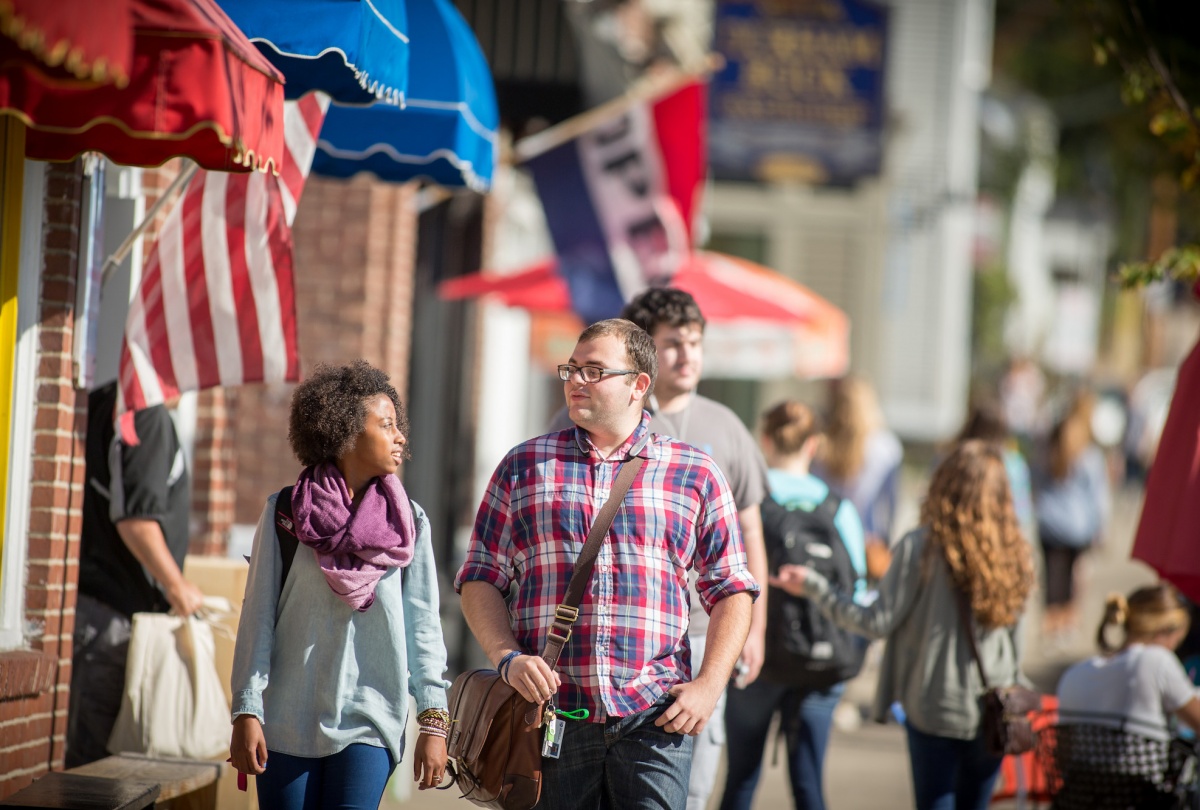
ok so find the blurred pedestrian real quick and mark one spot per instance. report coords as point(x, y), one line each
point(627, 663)
point(136, 509)
point(969, 545)
point(673, 320)
point(860, 460)
point(807, 658)
point(326, 658)
point(1022, 393)
point(1072, 501)
point(986, 421)
point(1149, 404)
point(1135, 689)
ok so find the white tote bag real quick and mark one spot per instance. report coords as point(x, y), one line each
point(173, 705)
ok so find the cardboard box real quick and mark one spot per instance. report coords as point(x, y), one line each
point(219, 576)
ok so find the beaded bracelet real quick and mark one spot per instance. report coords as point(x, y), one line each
point(434, 717)
point(502, 667)
point(435, 722)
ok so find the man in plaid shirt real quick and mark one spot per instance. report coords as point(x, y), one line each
point(627, 662)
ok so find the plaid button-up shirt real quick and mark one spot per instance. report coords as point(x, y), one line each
point(629, 645)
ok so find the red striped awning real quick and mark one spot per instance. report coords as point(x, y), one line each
point(71, 36)
point(197, 88)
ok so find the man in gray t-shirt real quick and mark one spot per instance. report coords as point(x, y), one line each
point(674, 320)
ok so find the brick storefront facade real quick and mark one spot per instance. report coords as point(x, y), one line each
point(355, 252)
point(34, 683)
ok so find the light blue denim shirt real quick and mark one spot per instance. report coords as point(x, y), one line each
point(321, 676)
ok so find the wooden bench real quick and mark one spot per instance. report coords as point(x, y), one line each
point(186, 784)
point(126, 782)
point(72, 790)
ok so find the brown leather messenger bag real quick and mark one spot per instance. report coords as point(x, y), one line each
point(494, 743)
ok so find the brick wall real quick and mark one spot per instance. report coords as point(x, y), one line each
point(34, 683)
point(355, 243)
point(213, 472)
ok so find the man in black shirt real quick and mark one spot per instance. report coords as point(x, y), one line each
point(136, 507)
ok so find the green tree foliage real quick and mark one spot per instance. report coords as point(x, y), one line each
point(1154, 44)
point(1123, 78)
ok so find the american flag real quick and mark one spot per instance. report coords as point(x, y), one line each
point(216, 302)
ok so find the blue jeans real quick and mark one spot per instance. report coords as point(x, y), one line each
point(950, 774)
point(806, 718)
point(353, 778)
point(620, 763)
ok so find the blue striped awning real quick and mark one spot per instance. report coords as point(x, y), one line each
point(447, 130)
point(357, 51)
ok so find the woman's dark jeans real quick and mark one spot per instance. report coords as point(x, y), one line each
point(806, 716)
point(949, 773)
point(352, 779)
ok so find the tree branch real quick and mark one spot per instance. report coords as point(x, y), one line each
point(1160, 67)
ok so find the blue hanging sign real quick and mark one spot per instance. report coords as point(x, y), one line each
point(800, 95)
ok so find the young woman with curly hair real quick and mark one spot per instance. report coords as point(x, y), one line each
point(326, 658)
point(969, 541)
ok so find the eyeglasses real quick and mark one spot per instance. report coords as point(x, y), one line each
point(590, 374)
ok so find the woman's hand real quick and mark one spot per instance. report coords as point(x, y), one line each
point(248, 747)
point(429, 762)
point(791, 578)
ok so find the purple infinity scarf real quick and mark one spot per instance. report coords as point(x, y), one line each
point(355, 545)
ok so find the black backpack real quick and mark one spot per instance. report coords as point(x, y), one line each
point(285, 533)
point(804, 647)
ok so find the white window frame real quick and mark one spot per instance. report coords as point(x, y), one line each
point(24, 406)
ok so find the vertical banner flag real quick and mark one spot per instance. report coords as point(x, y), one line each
point(620, 196)
point(216, 303)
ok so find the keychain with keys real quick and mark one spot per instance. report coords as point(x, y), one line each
point(555, 726)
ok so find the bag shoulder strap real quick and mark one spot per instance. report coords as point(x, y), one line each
point(568, 610)
point(968, 625)
point(285, 533)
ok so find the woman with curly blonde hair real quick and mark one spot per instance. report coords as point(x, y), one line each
point(969, 542)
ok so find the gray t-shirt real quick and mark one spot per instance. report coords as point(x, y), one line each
point(715, 429)
point(1144, 684)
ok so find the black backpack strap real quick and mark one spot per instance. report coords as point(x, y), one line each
point(285, 533)
point(829, 507)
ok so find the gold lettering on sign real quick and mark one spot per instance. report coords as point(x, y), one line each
point(798, 70)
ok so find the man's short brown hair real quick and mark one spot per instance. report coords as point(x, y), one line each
point(663, 305)
point(643, 357)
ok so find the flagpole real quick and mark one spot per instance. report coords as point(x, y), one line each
point(118, 255)
point(650, 86)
